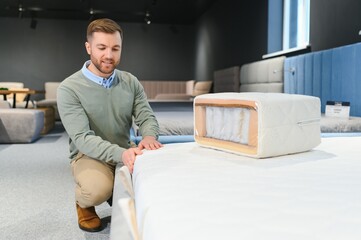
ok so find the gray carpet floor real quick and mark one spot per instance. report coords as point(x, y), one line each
point(37, 192)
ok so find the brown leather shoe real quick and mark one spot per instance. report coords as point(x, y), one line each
point(88, 220)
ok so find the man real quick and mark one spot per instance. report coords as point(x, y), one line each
point(96, 106)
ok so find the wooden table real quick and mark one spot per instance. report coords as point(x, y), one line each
point(28, 93)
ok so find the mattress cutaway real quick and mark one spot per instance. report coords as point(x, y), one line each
point(230, 124)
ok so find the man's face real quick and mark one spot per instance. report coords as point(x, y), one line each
point(105, 51)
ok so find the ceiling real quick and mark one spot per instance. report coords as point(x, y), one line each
point(158, 11)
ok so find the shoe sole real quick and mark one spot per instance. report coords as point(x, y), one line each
point(98, 229)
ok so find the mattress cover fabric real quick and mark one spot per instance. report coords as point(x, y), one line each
point(285, 123)
point(184, 191)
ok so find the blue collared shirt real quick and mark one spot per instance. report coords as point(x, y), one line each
point(105, 82)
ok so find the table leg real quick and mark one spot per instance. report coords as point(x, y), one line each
point(27, 98)
point(14, 100)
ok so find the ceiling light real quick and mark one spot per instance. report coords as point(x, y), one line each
point(147, 18)
point(21, 10)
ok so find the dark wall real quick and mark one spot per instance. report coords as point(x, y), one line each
point(235, 32)
point(158, 51)
point(334, 23)
point(230, 33)
point(51, 52)
point(55, 49)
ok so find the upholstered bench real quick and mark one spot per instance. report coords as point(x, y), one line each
point(20, 125)
point(49, 119)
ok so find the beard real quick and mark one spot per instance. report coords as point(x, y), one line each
point(104, 68)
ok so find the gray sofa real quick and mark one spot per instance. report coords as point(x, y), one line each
point(20, 125)
point(263, 76)
point(260, 76)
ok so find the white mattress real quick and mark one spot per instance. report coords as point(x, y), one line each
point(184, 191)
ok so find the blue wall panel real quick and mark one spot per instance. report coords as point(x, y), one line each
point(308, 75)
point(331, 75)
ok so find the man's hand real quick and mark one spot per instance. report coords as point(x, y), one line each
point(128, 157)
point(149, 143)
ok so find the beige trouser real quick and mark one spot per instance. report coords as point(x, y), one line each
point(94, 180)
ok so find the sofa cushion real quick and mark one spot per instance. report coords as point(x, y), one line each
point(202, 87)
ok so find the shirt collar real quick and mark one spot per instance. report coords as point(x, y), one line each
point(105, 82)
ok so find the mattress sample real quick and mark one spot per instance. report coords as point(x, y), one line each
point(185, 191)
point(257, 124)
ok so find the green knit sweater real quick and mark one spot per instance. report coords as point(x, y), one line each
point(98, 120)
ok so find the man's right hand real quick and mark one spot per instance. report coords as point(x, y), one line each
point(128, 157)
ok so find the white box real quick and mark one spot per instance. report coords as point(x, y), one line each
point(337, 109)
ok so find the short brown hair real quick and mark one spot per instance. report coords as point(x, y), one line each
point(105, 25)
